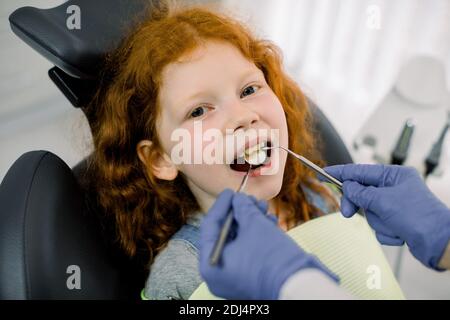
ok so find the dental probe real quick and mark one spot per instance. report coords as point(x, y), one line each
point(312, 166)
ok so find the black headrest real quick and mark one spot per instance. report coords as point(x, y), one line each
point(77, 53)
point(46, 233)
point(332, 148)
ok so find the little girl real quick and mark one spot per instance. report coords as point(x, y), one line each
point(179, 68)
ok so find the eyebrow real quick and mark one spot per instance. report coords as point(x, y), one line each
point(201, 93)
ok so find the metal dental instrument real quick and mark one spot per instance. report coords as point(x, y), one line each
point(218, 247)
point(311, 165)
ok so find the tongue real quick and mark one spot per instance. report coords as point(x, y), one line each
point(241, 165)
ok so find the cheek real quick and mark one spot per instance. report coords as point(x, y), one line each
point(272, 112)
point(181, 143)
point(202, 142)
point(270, 108)
point(195, 155)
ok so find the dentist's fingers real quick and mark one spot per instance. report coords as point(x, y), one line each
point(366, 174)
point(348, 208)
point(364, 197)
point(388, 241)
point(379, 226)
point(244, 209)
point(261, 204)
point(272, 218)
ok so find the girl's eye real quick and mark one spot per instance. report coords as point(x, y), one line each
point(246, 90)
point(198, 112)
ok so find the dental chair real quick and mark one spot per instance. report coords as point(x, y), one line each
point(52, 244)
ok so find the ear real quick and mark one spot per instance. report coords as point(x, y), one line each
point(161, 166)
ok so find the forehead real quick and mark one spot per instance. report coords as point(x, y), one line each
point(208, 67)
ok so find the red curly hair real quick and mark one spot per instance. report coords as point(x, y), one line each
point(147, 211)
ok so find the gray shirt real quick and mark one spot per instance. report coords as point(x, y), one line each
point(175, 272)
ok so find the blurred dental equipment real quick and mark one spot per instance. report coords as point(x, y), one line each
point(400, 152)
point(419, 92)
point(433, 158)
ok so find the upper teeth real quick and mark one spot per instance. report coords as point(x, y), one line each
point(255, 155)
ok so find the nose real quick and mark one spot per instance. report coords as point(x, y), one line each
point(241, 116)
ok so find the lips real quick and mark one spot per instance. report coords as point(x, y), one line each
point(239, 163)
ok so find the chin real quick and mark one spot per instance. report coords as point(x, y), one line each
point(266, 190)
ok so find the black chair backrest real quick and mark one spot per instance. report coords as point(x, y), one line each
point(50, 242)
point(332, 148)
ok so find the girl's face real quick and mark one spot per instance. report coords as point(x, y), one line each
point(217, 88)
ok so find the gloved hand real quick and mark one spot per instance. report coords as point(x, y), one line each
point(399, 207)
point(258, 258)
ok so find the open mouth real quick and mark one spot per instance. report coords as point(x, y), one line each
point(254, 156)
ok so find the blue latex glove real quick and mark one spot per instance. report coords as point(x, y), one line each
point(399, 207)
point(257, 259)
